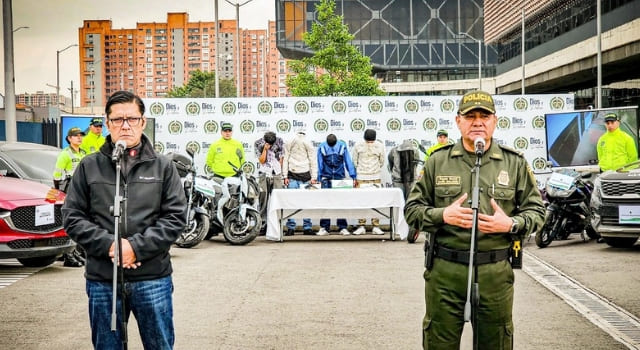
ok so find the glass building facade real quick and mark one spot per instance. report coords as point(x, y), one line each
point(406, 40)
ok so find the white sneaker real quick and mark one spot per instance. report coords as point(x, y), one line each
point(360, 230)
point(322, 232)
point(377, 231)
point(345, 232)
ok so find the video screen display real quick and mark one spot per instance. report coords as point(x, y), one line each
point(572, 137)
point(68, 121)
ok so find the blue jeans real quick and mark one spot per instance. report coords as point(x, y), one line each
point(326, 223)
point(291, 223)
point(152, 306)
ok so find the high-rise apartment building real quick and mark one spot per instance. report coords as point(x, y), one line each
point(153, 58)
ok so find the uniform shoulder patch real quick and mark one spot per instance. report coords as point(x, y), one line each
point(511, 150)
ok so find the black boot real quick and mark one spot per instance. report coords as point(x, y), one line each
point(71, 261)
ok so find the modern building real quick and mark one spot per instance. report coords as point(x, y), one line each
point(413, 42)
point(153, 58)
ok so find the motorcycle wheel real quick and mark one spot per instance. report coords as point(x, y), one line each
point(544, 236)
point(412, 237)
point(239, 232)
point(194, 233)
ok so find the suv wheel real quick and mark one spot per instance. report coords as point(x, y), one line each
point(40, 261)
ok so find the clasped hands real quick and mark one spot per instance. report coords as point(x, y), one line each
point(128, 255)
point(457, 215)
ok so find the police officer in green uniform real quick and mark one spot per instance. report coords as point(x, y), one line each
point(66, 164)
point(223, 151)
point(94, 140)
point(509, 208)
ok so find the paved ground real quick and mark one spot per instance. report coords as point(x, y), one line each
point(306, 293)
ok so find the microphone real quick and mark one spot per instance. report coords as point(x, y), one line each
point(118, 150)
point(478, 145)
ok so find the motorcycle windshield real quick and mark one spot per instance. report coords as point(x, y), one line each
point(561, 181)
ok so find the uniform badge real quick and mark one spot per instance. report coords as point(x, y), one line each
point(444, 180)
point(503, 178)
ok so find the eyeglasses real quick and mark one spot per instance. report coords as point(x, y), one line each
point(132, 121)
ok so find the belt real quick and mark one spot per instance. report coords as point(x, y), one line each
point(462, 256)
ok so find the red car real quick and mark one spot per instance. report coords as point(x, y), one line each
point(31, 223)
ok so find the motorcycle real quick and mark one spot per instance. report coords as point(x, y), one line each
point(197, 225)
point(568, 195)
point(237, 210)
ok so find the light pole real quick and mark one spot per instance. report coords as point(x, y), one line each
point(239, 44)
point(599, 54)
point(479, 57)
point(215, 32)
point(522, 44)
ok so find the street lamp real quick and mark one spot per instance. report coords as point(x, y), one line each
point(239, 44)
point(21, 27)
point(479, 57)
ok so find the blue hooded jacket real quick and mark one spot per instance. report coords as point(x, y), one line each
point(333, 160)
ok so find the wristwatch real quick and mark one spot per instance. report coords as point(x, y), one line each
point(514, 226)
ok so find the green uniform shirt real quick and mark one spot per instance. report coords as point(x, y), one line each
point(91, 142)
point(504, 176)
point(67, 162)
point(615, 149)
point(223, 151)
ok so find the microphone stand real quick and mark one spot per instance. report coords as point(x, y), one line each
point(118, 271)
point(473, 290)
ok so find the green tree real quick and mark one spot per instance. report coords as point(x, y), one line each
point(202, 84)
point(336, 67)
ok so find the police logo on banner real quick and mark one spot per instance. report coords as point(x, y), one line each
point(321, 125)
point(411, 106)
point(447, 105)
point(194, 146)
point(430, 124)
point(158, 147)
point(265, 108)
point(156, 109)
point(301, 107)
point(338, 106)
point(539, 163)
point(283, 126)
point(247, 126)
point(520, 143)
point(538, 122)
point(357, 124)
point(208, 171)
point(211, 127)
point(556, 103)
point(228, 108)
point(175, 127)
point(248, 167)
point(375, 106)
point(520, 104)
point(192, 108)
point(504, 123)
point(394, 124)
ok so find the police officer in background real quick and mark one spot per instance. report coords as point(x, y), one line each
point(66, 164)
point(223, 151)
point(94, 140)
point(615, 147)
point(509, 207)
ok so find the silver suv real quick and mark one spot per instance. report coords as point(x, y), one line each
point(615, 205)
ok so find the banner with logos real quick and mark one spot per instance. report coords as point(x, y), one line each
point(182, 123)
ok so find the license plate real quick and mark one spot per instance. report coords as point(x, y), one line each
point(629, 214)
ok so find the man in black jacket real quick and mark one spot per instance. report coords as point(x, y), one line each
point(152, 217)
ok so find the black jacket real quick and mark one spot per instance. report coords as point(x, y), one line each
point(155, 211)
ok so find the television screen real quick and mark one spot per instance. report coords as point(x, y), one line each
point(572, 137)
point(69, 121)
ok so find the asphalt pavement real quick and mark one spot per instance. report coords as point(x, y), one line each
point(309, 292)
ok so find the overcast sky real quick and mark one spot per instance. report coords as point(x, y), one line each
point(53, 25)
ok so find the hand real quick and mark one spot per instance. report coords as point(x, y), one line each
point(499, 222)
point(457, 215)
point(314, 181)
point(128, 255)
point(355, 183)
point(285, 181)
point(266, 147)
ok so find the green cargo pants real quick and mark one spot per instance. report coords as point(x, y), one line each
point(445, 296)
